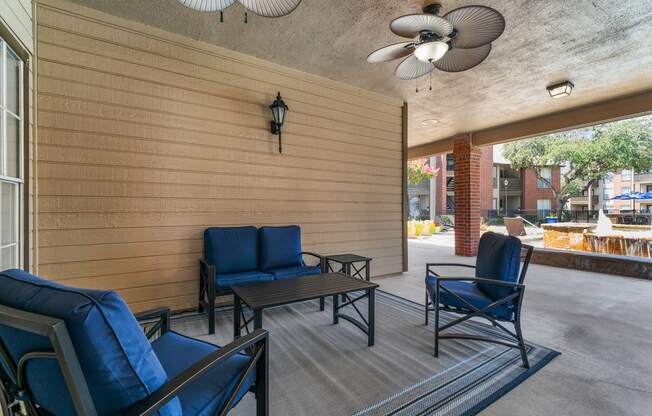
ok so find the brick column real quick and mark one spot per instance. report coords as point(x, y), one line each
point(440, 183)
point(467, 196)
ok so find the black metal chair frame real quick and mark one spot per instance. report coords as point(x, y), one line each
point(16, 393)
point(208, 288)
point(513, 339)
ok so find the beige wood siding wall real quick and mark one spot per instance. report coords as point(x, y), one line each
point(17, 26)
point(146, 138)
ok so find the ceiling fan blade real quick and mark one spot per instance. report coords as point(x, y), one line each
point(412, 68)
point(458, 60)
point(207, 5)
point(411, 25)
point(271, 8)
point(391, 52)
point(475, 26)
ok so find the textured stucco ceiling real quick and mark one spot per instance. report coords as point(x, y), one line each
point(603, 47)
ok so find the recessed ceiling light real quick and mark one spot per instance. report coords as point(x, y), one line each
point(429, 122)
point(563, 89)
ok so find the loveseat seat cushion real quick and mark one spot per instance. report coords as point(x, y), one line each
point(116, 358)
point(225, 281)
point(204, 396)
point(294, 271)
point(231, 249)
point(280, 247)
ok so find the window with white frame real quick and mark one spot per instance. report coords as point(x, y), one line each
point(546, 175)
point(626, 175)
point(11, 157)
point(543, 207)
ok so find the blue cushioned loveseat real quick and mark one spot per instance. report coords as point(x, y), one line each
point(67, 351)
point(245, 255)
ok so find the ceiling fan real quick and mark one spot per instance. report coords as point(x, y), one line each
point(454, 42)
point(266, 8)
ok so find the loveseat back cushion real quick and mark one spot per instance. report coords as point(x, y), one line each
point(499, 258)
point(118, 363)
point(232, 249)
point(280, 247)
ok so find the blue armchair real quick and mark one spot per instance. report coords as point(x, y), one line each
point(245, 255)
point(67, 351)
point(495, 293)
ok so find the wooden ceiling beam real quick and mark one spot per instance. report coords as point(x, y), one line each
point(619, 108)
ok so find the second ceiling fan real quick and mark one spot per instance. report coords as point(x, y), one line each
point(454, 42)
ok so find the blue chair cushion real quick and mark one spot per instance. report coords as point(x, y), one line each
point(116, 358)
point(499, 258)
point(468, 291)
point(280, 247)
point(294, 271)
point(207, 394)
point(225, 281)
point(231, 249)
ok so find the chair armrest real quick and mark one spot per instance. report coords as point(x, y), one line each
point(162, 317)
point(151, 404)
point(309, 253)
point(319, 257)
point(205, 267)
point(429, 265)
point(482, 280)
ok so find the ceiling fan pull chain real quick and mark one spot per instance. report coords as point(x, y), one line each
point(430, 75)
point(221, 16)
point(416, 83)
point(246, 18)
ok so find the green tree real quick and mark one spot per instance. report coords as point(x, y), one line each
point(585, 155)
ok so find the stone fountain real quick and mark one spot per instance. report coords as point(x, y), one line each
point(603, 237)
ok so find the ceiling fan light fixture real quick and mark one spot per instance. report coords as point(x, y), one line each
point(560, 90)
point(431, 51)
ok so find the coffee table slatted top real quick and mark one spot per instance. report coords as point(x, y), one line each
point(280, 292)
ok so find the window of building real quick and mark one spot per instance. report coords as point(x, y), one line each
point(494, 204)
point(543, 207)
point(607, 193)
point(545, 173)
point(625, 190)
point(450, 162)
point(609, 180)
point(626, 175)
point(11, 152)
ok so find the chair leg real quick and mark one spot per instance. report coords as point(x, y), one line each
point(427, 305)
point(211, 315)
point(521, 343)
point(436, 305)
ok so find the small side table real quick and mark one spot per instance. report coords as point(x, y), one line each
point(348, 264)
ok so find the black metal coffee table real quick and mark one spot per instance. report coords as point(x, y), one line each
point(259, 296)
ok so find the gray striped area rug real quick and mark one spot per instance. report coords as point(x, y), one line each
point(317, 368)
point(465, 388)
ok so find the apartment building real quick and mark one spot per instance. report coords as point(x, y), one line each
point(615, 184)
point(503, 190)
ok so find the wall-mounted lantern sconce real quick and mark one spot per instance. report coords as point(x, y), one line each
point(279, 111)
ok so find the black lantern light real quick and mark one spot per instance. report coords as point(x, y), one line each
point(279, 110)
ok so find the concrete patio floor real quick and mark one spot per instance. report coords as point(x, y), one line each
point(602, 325)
